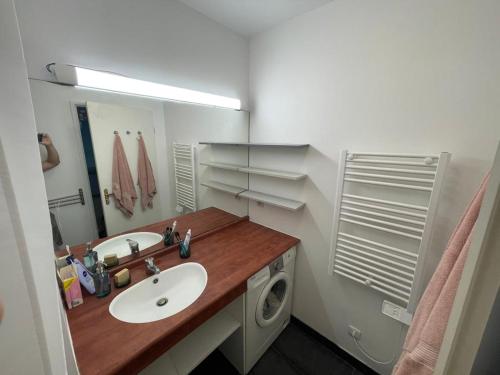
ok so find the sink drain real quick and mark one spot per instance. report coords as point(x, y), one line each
point(162, 301)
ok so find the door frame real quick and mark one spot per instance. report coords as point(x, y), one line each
point(478, 286)
point(74, 104)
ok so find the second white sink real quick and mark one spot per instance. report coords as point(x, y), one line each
point(160, 296)
point(120, 246)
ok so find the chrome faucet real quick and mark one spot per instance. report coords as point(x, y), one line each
point(134, 246)
point(151, 267)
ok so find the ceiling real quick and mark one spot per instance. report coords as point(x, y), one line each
point(249, 17)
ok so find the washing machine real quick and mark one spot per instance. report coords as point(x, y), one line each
point(268, 306)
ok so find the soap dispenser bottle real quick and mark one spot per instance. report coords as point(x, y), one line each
point(90, 258)
point(102, 280)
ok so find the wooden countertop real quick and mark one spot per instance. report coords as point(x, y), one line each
point(201, 222)
point(105, 345)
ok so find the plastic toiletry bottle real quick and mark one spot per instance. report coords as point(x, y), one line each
point(84, 275)
point(102, 281)
point(90, 258)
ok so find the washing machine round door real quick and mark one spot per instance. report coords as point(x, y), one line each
point(273, 299)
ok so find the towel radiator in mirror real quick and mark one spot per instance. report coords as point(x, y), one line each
point(67, 200)
point(185, 175)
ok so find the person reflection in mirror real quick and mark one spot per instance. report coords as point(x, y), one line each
point(52, 159)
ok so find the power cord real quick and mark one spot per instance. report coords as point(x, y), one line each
point(362, 350)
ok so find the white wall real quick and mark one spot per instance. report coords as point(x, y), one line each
point(389, 76)
point(191, 124)
point(31, 337)
point(19, 320)
point(157, 40)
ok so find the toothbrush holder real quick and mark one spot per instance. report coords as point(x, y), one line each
point(184, 251)
point(169, 239)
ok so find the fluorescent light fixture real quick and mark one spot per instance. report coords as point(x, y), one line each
point(94, 79)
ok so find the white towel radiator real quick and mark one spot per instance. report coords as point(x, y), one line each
point(185, 175)
point(383, 218)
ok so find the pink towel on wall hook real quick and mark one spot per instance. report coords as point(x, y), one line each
point(123, 184)
point(145, 178)
point(424, 338)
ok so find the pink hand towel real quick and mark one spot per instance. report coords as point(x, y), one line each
point(424, 338)
point(145, 179)
point(123, 184)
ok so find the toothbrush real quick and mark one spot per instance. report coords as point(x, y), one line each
point(188, 238)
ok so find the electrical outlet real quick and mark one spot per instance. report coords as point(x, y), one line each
point(354, 332)
point(396, 312)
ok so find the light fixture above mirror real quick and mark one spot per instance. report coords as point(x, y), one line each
point(99, 80)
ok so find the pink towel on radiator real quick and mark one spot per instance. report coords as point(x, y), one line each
point(123, 184)
point(424, 338)
point(146, 178)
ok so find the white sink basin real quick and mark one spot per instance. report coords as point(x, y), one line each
point(144, 302)
point(120, 246)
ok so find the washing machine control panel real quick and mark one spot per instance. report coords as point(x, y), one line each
point(276, 266)
point(289, 256)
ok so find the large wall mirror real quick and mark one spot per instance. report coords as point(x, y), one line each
point(77, 135)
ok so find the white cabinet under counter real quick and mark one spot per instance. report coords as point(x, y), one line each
point(188, 353)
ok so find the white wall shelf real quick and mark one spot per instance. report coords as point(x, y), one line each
point(229, 167)
point(235, 190)
point(272, 200)
point(274, 173)
point(269, 199)
point(246, 144)
point(253, 170)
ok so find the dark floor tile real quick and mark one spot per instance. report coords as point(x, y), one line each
point(296, 347)
point(341, 354)
point(297, 351)
point(215, 363)
point(358, 371)
point(328, 363)
point(273, 363)
point(308, 354)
